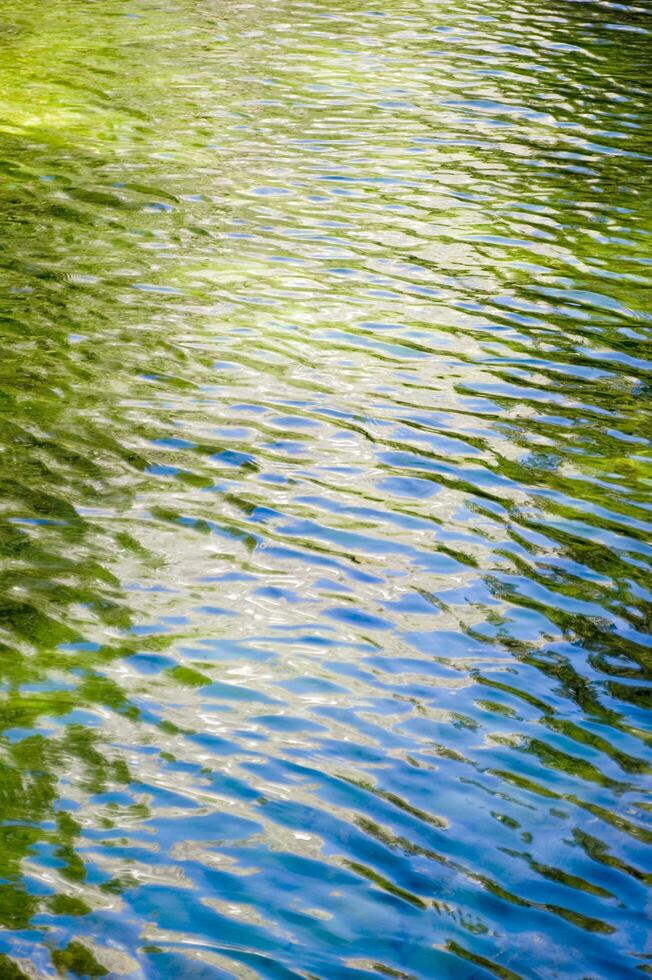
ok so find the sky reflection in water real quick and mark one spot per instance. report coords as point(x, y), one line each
point(325, 530)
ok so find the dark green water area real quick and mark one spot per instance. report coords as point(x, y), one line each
point(325, 489)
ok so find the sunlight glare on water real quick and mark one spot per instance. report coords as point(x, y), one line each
point(326, 487)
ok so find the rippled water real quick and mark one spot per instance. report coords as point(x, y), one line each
point(326, 488)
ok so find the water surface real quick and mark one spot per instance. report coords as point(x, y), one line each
point(326, 488)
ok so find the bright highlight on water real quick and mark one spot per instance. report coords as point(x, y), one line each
point(326, 489)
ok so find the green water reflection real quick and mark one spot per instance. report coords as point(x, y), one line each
point(325, 535)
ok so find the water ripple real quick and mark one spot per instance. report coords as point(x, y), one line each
point(325, 533)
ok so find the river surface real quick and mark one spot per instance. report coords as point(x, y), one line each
point(326, 489)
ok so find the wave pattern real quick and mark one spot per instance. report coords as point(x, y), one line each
point(325, 514)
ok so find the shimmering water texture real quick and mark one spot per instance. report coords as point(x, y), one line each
point(325, 489)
